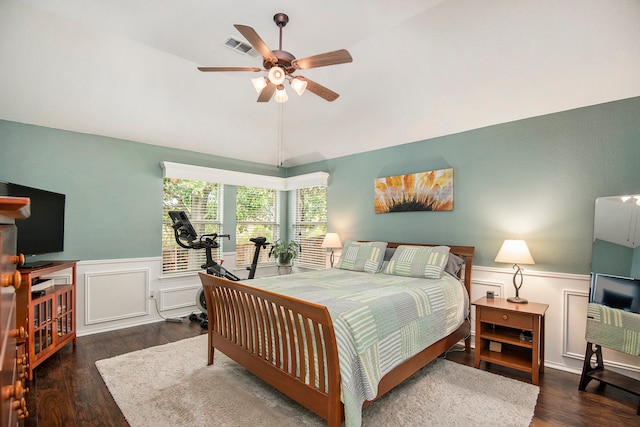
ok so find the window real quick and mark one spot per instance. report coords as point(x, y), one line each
point(310, 225)
point(198, 191)
point(257, 214)
point(202, 201)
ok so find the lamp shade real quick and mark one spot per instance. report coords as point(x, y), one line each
point(514, 252)
point(298, 85)
point(281, 95)
point(259, 83)
point(276, 75)
point(331, 240)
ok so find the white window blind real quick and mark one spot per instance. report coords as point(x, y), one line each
point(310, 225)
point(257, 215)
point(202, 201)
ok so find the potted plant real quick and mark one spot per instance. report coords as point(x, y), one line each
point(284, 252)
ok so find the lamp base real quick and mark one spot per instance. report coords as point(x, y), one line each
point(517, 300)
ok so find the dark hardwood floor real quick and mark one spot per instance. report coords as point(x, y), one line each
point(67, 389)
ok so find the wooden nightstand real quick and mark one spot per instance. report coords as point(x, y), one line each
point(499, 328)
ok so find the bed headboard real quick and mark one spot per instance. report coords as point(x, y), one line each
point(464, 252)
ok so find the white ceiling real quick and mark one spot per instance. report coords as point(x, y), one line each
point(421, 69)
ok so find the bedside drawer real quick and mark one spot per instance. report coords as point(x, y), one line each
point(507, 318)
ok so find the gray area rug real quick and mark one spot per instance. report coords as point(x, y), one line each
point(171, 385)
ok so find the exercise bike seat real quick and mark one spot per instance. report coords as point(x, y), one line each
point(259, 240)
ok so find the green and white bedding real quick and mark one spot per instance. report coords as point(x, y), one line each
point(613, 328)
point(380, 320)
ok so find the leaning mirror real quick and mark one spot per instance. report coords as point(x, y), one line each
point(616, 236)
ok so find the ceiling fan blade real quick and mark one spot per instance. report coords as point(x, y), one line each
point(267, 92)
point(207, 69)
point(320, 90)
point(254, 39)
point(322, 60)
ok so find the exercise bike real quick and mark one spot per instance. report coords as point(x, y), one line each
point(186, 237)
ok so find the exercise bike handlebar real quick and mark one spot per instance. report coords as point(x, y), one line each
point(228, 236)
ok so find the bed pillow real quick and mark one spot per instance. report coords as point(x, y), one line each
point(418, 261)
point(362, 256)
point(454, 264)
point(388, 253)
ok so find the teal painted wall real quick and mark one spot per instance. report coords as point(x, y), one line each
point(113, 187)
point(535, 179)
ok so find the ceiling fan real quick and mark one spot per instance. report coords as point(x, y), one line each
point(281, 65)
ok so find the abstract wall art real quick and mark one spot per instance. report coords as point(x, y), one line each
point(423, 191)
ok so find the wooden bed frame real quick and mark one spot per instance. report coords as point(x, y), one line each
point(242, 321)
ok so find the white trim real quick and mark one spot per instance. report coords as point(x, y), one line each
point(142, 286)
point(222, 176)
point(535, 273)
point(566, 308)
point(315, 179)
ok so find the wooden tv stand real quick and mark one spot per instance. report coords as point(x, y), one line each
point(50, 318)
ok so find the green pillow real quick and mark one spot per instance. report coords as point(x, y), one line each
point(362, 256)
point(418, 261)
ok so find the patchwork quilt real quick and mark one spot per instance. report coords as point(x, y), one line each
point(380, 320)
point(613, 328)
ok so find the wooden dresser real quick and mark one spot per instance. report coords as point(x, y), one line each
point(14, 360)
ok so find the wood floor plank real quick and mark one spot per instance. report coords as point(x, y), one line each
point(68, 390)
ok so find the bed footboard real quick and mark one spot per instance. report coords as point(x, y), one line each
point(289, 343)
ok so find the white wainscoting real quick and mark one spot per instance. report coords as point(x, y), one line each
point(115, 294)
point(574, 324)
point(103, 286)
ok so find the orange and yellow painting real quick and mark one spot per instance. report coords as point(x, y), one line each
point(423, 191)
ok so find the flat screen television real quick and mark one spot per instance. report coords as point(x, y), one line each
point(43, 231)
point(618, 292)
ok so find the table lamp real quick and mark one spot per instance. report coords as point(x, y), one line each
point(515, 252)
point(332, 241)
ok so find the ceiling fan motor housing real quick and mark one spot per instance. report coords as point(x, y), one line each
point(284, 61)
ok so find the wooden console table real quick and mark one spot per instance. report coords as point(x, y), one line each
point(49, 318)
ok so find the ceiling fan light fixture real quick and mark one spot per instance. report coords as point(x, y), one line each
point(281, 95)
point(299, 85)
point(259, 83)
point(276, 75)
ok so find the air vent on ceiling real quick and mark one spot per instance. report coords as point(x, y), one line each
point(240, 46)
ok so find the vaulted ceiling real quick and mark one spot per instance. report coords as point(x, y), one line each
point(421, 69)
